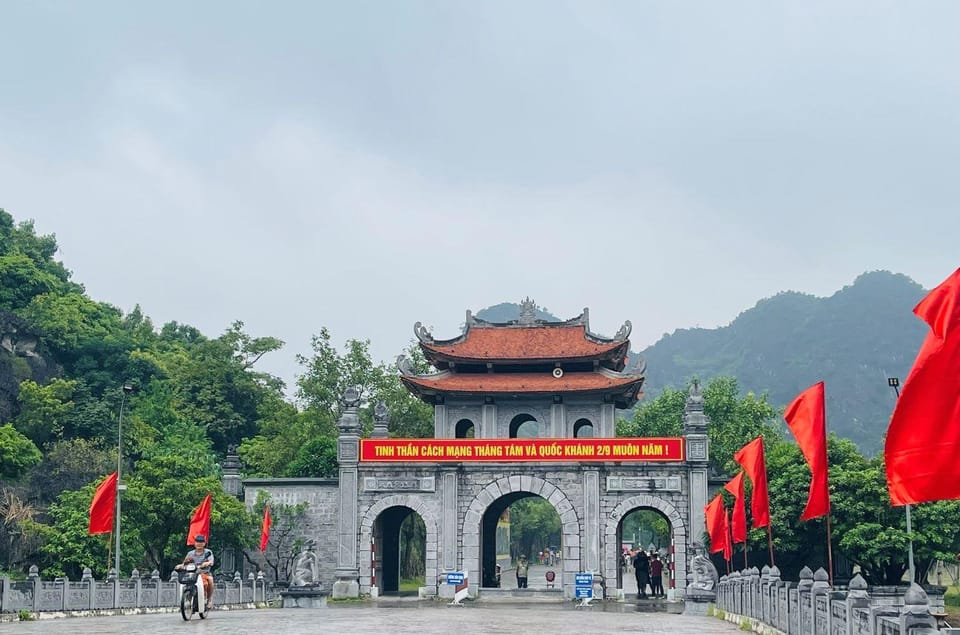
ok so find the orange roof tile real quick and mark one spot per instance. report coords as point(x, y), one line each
point(525, 343)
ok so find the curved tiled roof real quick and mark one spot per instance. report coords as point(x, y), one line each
point(493, 383)
point(527, 343)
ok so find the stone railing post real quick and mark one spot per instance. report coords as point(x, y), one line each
point(773, 579)
point(135, 577)
point(62, 583)
point(804, 606)
point(734, 604)
point(915, 619)
point(239, 582)
point(820, 598)
point(263, 587)
point(764, 612)
point(756, 609)
point(857, 598)
point(87, 577)
point(4, 593)
point(155, 579)
point(34, 576)
point(253, 586)
point(113, 579)
point(722, 593)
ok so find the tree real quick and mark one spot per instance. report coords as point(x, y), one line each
point(286, 537)
point(17, 453)
point(44, 409)
point(318, 458)
point(70, 464)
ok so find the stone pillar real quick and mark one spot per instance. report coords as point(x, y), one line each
point(608, 421)
point(231, 484)
point(591, 522)
point(449, 535)
point(558, 418)
point(857, 598)
point(488, 420)
point(347, 574)
point(440, 428)
point(87, 577)
point(804, 603)
point(695, 424)
point(916, 617)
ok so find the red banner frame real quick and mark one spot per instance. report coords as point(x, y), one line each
point(625, 449)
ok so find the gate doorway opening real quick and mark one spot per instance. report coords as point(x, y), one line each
point(647, 529)
point(399, 553)
point(520, 525)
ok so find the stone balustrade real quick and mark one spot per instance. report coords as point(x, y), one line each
point(811, 607)
point(149, 591)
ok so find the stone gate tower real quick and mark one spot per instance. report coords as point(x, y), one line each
point(551, 382)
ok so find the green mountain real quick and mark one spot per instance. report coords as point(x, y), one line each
point(853, 341)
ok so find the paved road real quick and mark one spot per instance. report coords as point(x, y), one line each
point(536, 579)
point(423, 618)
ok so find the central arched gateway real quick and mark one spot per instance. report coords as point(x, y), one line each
point(523, 408)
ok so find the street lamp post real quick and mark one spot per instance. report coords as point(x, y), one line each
point(125, 390)
point(894, 382)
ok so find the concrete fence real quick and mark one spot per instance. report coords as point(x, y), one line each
point(811, 607)
point(62, 594)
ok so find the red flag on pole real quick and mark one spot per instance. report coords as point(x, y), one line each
point(200, 523)
point(923, 440)
point(751, 458)
point(103, 505)
point(735, 487)
point(265, 528)
point(806, 417)
point(716, 523)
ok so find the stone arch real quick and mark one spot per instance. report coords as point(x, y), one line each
point(415, 503)
point(678, 536)
point(519, 421)
point(569, 524)
point(583, 428)
point(464, 429)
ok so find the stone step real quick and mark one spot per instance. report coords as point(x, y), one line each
point(520, 595)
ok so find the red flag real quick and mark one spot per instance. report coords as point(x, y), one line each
point(102, 506)
point(923, 440)
point(751, 458)
point(807, 420)
point(716, 523)
point(200, 523)
point(265, 528)
point(727, 543)
point(735, 487)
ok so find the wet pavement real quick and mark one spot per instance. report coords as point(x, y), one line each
point(397, 616)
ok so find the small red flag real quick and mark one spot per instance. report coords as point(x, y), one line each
point(751, 458)
point(923, 440)
point(200, 523)
point(807, 420)
point(265, 528)
point(716, 519)
point(103, 505)
point(735, 487)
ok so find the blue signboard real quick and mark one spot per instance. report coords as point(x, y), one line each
point(455, 578)
point(584, 592)
point(584, 579)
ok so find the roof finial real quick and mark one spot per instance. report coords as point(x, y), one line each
point(528, 311)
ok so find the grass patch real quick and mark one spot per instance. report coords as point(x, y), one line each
point(951, 597)
point(25, 616)
point(710, 610)
point(411, 584)
point(745, 625)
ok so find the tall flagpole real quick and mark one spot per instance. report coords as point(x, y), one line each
point(894, 382)
point(125, 390)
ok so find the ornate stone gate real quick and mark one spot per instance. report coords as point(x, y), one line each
point(524, 384)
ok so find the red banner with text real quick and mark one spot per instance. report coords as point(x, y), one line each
point(641, 449)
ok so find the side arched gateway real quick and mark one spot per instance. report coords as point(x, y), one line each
point(611, 557)
point(384, 506)
point(503, 490)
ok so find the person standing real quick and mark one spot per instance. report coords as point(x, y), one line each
point(523, 568)
point(656, 576)
point(641, 569)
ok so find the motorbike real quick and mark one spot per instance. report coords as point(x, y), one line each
point(192, 596)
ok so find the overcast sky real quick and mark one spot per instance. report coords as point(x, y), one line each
point(364, 165)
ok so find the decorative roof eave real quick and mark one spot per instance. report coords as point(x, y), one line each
point(617, 352)
point(447, 382)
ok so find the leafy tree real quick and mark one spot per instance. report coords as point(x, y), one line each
point(318, 458)
point(17, 453)
point(70, 464)
point(534, 524)
point(20, 541)
point(286, 537)
point(328, 374)
point(22, 281)
point(44, 409)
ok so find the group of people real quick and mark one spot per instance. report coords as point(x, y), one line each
point(648, 570)
point(548, 557)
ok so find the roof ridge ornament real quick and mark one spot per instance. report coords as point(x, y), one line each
point(422, 333)
point(404, 365)
point(624, 331)
point(528, 311)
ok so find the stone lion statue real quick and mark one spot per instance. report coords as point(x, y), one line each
point(306, 570)
point(703, 576)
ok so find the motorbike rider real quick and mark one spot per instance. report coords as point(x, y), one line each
point(203, 558)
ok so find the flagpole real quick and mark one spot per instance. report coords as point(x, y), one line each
point(770, 544)
point(745, 564)
point(829, 551)
point(894, 382)
point(124, 390)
